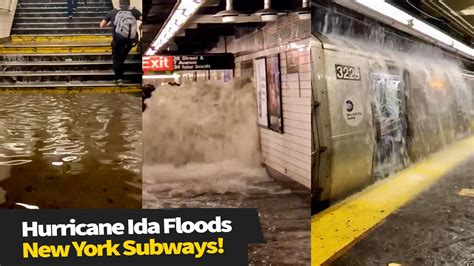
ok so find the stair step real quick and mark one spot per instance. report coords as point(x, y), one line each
point(102, 73)
point(50, 25)
point(80, 66)
point(20, 13)
point(57, 57)
point(105, 85)
point(68, 84)
point(127, 88)
point(68, 63)
point(47, 31)
point(50, 49)
point(45, 44)
point(64, 5)
point(11, 78)
point(61, 38)
point(102, 10)
point(61, 19)
point(64, 1)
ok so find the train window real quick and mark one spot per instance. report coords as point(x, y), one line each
point(388, 108)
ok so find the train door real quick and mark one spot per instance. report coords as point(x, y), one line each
point(320, 135)
point(389, 112)
point(351, 129)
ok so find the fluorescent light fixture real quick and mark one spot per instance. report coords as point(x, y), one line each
point(27, 206)
point(396, 14)
point(388, 10)
point(181, 13)
point(468, 11)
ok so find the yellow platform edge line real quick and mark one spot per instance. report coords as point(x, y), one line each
point(337, 228)
point(66, 90)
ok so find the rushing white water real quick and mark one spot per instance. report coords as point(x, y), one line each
point(419, 98)
point(201, 138)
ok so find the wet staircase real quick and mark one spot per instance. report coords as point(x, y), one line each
point(49, 51)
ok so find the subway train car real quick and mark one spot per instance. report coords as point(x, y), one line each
point(378, 108)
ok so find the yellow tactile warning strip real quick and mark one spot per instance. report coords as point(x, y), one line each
point(466, 192)
point(335, 229)
point(60, 38)
point(55, 50)
point(66, 90)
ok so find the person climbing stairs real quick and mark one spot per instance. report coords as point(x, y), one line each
point(47, 50)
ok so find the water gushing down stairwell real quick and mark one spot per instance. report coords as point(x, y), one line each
point(48, 51)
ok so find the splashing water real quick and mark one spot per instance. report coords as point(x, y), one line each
point(201, 138)
point(202, 149)
point(420, 100)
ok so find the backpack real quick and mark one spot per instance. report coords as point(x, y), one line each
point(125, 25)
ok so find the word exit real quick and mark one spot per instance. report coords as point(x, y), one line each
point(158, 63)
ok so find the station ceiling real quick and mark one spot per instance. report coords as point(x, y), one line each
point(454, 17)
point(155, 13)
point(205, 34)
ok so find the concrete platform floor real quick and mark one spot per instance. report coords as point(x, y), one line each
point(285, 221)
point(414, 217)
point(436, 228)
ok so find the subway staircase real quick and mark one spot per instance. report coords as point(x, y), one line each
point(48, 51)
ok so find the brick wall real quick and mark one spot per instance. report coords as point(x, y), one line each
point(290, 152)
point(7, 12)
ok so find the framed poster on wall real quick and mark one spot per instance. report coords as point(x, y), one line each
point(292, 61)
point(261, 79)
point(274, 104)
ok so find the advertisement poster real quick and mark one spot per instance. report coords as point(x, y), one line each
point(261, 78)
point(274, 93)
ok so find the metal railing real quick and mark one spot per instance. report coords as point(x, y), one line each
point(6, 6)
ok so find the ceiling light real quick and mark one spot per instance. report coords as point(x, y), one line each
point(304, 12)
point(267, 13)
point(181, 13)
point(427, 30)
point(229, 15)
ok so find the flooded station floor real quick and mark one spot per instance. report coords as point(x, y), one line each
point(78, 150)
point(283, 206)
point(437, 228)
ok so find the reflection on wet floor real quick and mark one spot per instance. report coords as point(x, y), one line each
point(70, 150)
point(283, 206)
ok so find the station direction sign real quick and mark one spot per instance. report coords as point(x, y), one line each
point(170, 63)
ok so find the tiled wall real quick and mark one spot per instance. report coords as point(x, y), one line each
point(290, 152)
point(7, 12)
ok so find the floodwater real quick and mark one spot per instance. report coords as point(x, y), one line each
point(202, 149)
point(70, 150)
